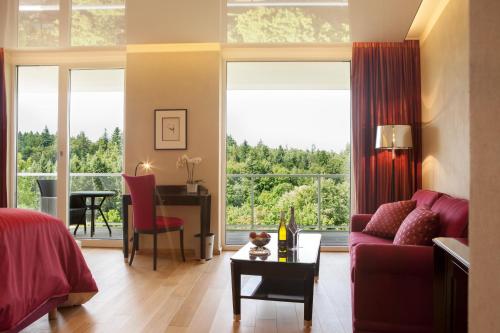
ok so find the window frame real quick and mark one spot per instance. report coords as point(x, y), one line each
point(65, 61)
point(341, 52)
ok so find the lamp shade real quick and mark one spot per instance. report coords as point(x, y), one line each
point(394, 137)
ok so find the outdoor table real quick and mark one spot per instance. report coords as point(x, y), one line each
point(94, 205)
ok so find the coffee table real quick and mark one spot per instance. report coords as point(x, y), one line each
point(287, 277)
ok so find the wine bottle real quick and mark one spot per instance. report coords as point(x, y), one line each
point(291, 230)
point(282, 233)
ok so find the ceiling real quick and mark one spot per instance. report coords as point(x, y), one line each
point(381, 20)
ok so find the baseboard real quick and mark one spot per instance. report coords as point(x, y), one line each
point(106, 243)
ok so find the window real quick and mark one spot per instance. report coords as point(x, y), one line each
point(287, 21)
point(39, 23)
point(287, 144)
point(63, 23)
point(97, 22)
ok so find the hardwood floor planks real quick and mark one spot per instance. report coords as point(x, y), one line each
point(194, 297)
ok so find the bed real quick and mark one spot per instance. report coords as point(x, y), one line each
point(41, 268)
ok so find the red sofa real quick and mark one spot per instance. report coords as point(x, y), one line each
point(392, 284)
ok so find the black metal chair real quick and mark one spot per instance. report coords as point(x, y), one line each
point(77, 212)
point(48, 203)
point(48, 196)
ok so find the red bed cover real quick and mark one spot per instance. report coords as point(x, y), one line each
point(40, 263)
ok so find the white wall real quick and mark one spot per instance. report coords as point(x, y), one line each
point(173, 21)
point(445, 102)
point(484, 286)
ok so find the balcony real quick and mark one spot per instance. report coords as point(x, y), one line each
point(321, 201)
point(28, 196)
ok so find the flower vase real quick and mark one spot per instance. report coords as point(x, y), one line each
point(192, 187)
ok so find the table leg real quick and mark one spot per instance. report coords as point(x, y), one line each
point(236, 284)
point(125, 227)
point(308, 298)
point(204, 224)
point(104, 217)
point(316, 272)
point(92, 217)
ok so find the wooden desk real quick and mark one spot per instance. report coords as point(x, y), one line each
point(451, 275)
point(175, 195)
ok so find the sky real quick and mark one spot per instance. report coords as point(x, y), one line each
point(96, 100)
point(293, 118)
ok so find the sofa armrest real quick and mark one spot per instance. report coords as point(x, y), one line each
point(392, 288)
point(359, 221)
point(393, 259)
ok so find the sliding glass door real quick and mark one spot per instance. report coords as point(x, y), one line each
point(37, 119)
point(96, 152)
point(57, 168)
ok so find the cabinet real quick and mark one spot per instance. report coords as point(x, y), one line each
point(451, 275)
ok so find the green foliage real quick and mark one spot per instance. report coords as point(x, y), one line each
point(37, 153)
point(272, 194)
point(284, 25)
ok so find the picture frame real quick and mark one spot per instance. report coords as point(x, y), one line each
point(170, 129)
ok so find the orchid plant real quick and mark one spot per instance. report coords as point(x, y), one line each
point(190, 164)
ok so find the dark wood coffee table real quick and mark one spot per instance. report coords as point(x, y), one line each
point(285, 277)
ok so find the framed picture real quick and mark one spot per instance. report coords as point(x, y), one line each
point(171, 129)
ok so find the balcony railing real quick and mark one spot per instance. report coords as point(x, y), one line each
point(28, 194)
point(321, 201)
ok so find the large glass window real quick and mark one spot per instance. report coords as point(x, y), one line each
point(287, 21)
point(37, 110)
point(288, 145)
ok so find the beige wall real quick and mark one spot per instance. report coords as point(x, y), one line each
point(173, 21)
point(445, 102)
point(484, 284)
point(175, 80)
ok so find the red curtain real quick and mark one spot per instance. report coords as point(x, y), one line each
point(3, 134)
point(385, 91)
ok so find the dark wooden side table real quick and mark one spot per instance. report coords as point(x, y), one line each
point(286, 277)
point(175, 195)
point(451, 275)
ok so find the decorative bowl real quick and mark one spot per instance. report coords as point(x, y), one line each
point(260, 241)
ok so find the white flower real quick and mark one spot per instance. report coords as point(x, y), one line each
point(195, 160)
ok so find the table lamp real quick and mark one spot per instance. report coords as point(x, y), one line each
point(145, 165)
point(393, 137)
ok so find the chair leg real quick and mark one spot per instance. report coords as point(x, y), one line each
point(74, 232)
point(134, 242)
point(155, 239)
point(181, 235)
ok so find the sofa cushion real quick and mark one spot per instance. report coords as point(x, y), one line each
point(425, 197)
point(388, 217)
point(453, 216)
point(363, 238)
point(418, 228)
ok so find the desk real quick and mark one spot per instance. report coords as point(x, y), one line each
point(93, 206)
point(175, 195)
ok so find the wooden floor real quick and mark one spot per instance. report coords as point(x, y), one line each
point(195, 297)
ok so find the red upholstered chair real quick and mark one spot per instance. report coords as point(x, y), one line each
point(142, 192)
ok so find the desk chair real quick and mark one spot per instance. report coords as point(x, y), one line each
point(142, 192)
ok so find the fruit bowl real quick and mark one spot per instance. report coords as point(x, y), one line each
point(260, 241)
